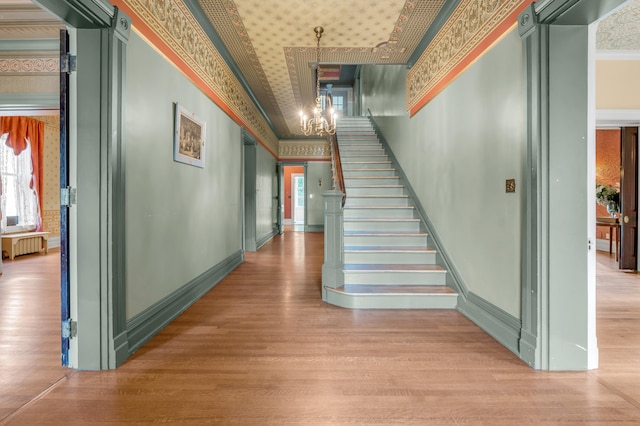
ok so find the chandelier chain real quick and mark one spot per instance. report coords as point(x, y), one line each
point(321, 122)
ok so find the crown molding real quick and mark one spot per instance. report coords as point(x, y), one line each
point(618, 55)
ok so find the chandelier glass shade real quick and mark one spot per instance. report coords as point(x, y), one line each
point(320, 122)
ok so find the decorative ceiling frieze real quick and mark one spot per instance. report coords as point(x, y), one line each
point(224, 16)
point(470, 30)
point(170, 22)
point(273, 43)
point(305, 150)
point(29, 65)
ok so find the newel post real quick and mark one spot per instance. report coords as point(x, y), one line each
point(332, 273)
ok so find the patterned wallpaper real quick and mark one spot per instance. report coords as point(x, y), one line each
point(472, 28)
point(28, 65)
point(607, 168)
point(51, 208)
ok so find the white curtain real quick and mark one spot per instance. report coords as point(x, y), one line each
point(18, 198)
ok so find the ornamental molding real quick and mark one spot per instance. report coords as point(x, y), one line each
point(305, 150)
point(172, 22)
point(456, 45)
point(29, 66)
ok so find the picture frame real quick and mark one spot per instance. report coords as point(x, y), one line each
point(189, 137)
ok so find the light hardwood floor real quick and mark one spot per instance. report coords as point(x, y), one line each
point(262, 349)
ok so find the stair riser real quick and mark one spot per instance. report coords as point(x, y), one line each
point(376, 201)
point(355, 158)
point(382, 226)
point(395, 278)
point(348, 152)
point(376, 191)
point(401, 258)
point(378, 213)
point(371, 181)
point(392, 301)
point(368, 172)
point(358, 142)
point(366, 165)
point(386, 240)
point(369, 144)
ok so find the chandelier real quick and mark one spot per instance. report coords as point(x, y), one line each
point(321, 122)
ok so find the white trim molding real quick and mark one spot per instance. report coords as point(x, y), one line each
point(617, 55)
point(617, 117)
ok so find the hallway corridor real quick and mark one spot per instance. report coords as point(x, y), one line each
point(261, 348)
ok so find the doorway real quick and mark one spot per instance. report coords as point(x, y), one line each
point(297, 201)
point(294, 196)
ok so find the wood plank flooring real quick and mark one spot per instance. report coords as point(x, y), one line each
point(262, 349)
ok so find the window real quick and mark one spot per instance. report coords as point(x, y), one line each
point(18, 201)
point(338, 104)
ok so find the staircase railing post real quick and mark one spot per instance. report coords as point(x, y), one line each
point(332, 269)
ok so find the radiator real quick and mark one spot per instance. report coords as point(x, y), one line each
point(24, 243)
point(28, 245)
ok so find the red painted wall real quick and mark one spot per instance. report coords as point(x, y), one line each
point(607, 168)
point(288, 171)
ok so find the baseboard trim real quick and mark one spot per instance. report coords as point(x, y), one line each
point(500, 325)
point(262, 241)
point(120, 349)
point(528, 345)
point(53, 242)
point(603, 245)
point(142, 327)
point(314, 228)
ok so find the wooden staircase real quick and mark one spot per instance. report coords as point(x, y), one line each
point(388, 263)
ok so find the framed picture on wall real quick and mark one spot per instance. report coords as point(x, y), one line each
point(189, 138)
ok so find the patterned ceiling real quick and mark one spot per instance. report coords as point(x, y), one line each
point(621, 29)
point(273, 43)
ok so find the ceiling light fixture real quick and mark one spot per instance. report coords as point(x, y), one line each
point(321, 122)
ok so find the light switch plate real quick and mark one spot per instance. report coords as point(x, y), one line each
point(511, 185)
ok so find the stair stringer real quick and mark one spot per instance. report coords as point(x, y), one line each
point(499, 324)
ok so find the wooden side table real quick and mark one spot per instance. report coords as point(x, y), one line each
point(614, 232)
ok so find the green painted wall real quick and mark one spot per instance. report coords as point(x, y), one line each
point(180, 220)
point(266, 193)
point(457, 152)
point(318, 181)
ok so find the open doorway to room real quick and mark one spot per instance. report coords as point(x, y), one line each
point(617, 109)
point(607, 191)
point(616, 190)
point(294, 197)
point(297, 200)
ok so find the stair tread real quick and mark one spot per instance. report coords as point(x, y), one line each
point(380, 196)
point(385, 249)
point(366, 162)
point(387, 169)
point(396, 289)
point(392, 267)
point(371, 177)
point(379, 233)
point(377, 207)
point(376, 186)
point(381, 219)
